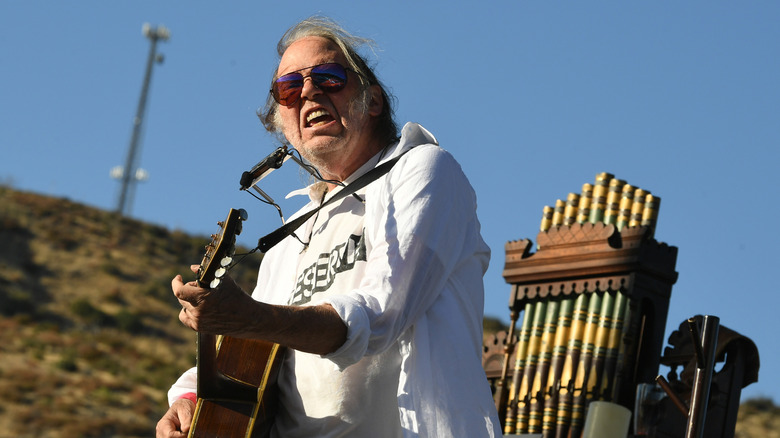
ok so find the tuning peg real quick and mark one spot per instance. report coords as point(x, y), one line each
point(226, 261)
point(221, 224)
point(215, 283)
point(242, 214)
point(220, 272)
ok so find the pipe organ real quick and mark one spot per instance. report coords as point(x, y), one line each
point(591, 304)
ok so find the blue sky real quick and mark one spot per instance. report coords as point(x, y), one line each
point(533, 98)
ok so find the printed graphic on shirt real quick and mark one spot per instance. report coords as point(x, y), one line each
point(320, 275)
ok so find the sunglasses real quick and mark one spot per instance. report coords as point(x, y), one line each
point(330, 78)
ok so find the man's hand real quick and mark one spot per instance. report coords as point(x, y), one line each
point(228, 310)
point(176, 422)
point(225, 310)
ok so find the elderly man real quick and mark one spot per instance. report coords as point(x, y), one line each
point(386, 339)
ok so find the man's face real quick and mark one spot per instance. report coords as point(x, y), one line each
point(325, 127)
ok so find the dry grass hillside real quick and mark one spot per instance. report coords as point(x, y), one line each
point(89, 335)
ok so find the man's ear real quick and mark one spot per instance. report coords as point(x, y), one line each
point(377, 102)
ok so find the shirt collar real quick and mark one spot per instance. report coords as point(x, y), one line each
point(318, 189)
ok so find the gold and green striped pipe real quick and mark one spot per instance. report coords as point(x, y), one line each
point(624, 213)
point(607, 319)
point(532, 362)
point(563, 326)
point(540, 384)
point(573, 350)
point(570, 210)
point(583, 209)
point(637, 208)
point(622, 354)
point(547, 217)
point(599, 201)
point(613, 345)
point(650, 212)
point(580, 396)
point(522, 352)
point(558, 211)
point(613, 200)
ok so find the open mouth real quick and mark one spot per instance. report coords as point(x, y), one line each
point(318, 117)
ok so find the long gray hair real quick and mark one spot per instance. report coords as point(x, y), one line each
point(385, 129)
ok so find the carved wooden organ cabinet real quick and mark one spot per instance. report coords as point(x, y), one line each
point(588, 309)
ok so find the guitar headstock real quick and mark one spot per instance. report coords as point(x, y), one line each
point(220, 251)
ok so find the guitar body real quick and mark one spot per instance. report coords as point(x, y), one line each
point(251, 362)
point(237, 389)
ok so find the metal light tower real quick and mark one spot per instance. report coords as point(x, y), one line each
point(129, 175)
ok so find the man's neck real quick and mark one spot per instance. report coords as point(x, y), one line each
point(344, 170)
point(373, 159)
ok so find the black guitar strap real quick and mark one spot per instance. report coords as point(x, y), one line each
point(271, 239)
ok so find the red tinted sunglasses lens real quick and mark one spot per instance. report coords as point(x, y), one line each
point(287, 89)
point(327, 77)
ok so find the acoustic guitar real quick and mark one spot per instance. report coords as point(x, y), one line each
point(236, 377)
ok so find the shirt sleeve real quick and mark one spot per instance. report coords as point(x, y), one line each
point(186, 384)
point(420, 225)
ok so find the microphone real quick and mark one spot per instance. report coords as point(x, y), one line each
point(260, 170)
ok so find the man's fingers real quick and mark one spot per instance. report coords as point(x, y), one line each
point(185, 415)
point(185, 291)
point(177, 283)
point(183, 317)
point(176, 421)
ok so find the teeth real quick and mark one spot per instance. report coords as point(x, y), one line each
point(315, 114)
